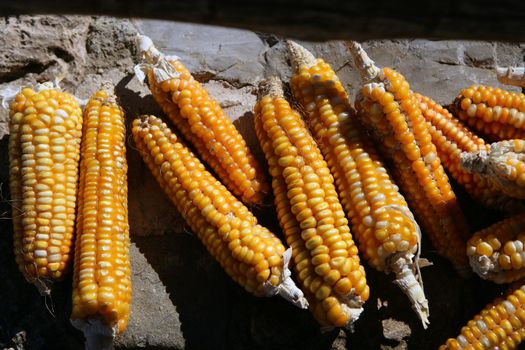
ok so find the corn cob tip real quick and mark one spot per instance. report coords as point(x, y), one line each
point(367, 69)
point(154, 59)
point(405, 270)
point(287, 288)
point(98, 335)
point(511, 75)
point(271, 86)
point(299, 56)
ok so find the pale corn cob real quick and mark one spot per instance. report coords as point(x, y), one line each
point(496, 253)
point(503, 165)
point(324, 254)
point(389, 109)
point(451, 138)
point(44, 146)
point(494, 113)
point(102, 270)
point(252, 255)
point(500, 325)
point(201, 120)
point(383, 225)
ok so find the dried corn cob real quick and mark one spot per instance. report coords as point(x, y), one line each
point(503, 165)
point(253, 256)
point(493, 112)
point(451, 138)
point(496, 253)
point(203, 123)
point(389, 109)
point(102, 270)
point(324, 254)
point(511, 75)
point(44, 146)
point(500, 325)
point(384, 227)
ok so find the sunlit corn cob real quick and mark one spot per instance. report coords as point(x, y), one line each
point(102, 271)
point(503, 165)
point(451, 138)
point(389, 109)
point(44, 146)
point(383, 225)
point(493, 112)
point(248, 252)
point(500, 325)
point(324, 254)
point(496, 253)
point(203, 123)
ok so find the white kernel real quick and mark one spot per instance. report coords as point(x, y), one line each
point(54, 258)
point(482, 326)
point(508, 306)
point(41, 237)
point(42, 131)
point(430, 157)
point(39, 253)
point(462, 341)
point(485, 341)
point(518, 245)
point(471, 111)
point(381, 224)
point(368, 221)
point(61, 113)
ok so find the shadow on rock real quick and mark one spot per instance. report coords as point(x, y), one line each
point(214, 312)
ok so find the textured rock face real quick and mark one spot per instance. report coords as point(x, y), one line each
point(181, 297)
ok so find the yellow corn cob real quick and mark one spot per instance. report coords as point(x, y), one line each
point(324, 254)
point(44, 146)
point(503, 165)
point(389, 109)
point(493, 112)
point(102, 270)
point(496, 253)
point(384, 227)
point(203, 123)
point(253, 256)
point(451, 138)
point(500, 325)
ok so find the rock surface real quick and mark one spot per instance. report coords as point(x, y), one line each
point(181, 297)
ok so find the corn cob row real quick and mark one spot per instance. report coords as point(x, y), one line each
point(511, 75)
point(493, 112)
point(102, 270)
point(451, 138)
point(389, 109)
point(496, 253)
point(324, 254)
point(384, 227)
point(253, 256)
point(503, 165)
point(203, 123)
point(500, 325)
point(44, 146)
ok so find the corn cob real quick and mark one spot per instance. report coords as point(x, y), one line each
point(389, 109)
point(496, 253)
point(451, 138)
point(493, 112)
point(102, 271)
point(44, 146)
point(203, 123)
point(253, 256)
point(500, 325)
point(384, 227)
point(511, 75)
point(503, 165)
point(309, 212)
